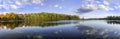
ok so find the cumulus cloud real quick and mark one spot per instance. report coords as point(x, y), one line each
point(29, 2)
point(86, 8)
point(15, 4)
point(103, 7)
point(92, 5)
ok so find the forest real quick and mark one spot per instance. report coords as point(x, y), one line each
point(39, 17)
point(113, 17)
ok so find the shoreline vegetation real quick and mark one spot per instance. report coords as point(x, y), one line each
point(113, 17)
point(36, 17)
point(105, 18)
point(45, 17)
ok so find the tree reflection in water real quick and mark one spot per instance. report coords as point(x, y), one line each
point(113, 21)
point(13, 25)
point(27, 30)
point(65, 30)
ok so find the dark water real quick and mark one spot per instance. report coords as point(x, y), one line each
point(74, 29)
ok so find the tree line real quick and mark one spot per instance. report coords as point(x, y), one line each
point(113, 17)
point(43, 16)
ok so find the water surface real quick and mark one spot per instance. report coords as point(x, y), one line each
point(65, 29)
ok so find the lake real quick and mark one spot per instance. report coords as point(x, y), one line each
point(64, 29)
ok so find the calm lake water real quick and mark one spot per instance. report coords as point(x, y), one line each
point(66, 29)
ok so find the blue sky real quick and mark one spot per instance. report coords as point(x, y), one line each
point(84, 8)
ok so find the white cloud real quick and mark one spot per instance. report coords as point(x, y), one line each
point(14, 7)
point(106, 2)
point(85, 8)
point(18, 3)
point(37, 1)
point(29, 2)
point(23, 1)
point(57, 6)
point(89, 6)
point(92, 5)
point(103, 7)
point(11, 5)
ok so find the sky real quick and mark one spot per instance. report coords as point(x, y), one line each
point(83, 8)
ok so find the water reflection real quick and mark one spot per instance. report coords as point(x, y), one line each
point(58, 30)
point(13, 25)
point(113, 21)
point(94, 33)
